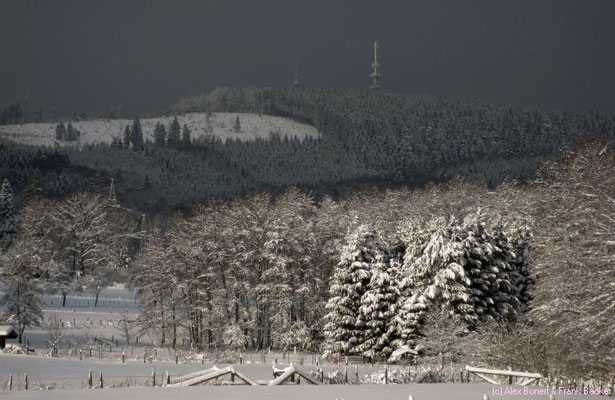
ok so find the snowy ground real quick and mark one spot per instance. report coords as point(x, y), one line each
point(288, 392)
point(104, 130)
point(69, 372)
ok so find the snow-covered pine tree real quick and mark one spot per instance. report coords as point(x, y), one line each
point(72, 133)
point(186, 140)
point(433, 273)
point(60, 131)
point(378, 309)
point(137, 135)
point(7, 215)
point(487, 272)
point(521, 277)
point(516, 289)
point(174, 133)
point(160, 134)
point(127, 136)
point(415, 277)
point(475, 274)
point(344, 328)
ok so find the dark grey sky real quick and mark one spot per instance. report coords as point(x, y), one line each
point(145, 54)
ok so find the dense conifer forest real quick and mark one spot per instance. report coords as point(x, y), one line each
point(368, 137)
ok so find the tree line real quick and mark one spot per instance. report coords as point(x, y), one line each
point(373, 138)
point(518, 275)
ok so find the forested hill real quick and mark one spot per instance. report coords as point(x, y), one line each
point(403, 137)
point(366, 137)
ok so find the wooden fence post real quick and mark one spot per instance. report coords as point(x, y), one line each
point(90, 383)
point(123, 357)
point(153, 378)
point(167, 377)
point(100, 381)
point(10, 382)
point(25, 381)
point(345, 375)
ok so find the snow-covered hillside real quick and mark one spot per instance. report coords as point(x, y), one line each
point(220, 125)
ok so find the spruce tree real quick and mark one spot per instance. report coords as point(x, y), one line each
point(7, 215)
point(127, 136)
point(237, 126)
point(72, 134)
point(160, 134)
point(60, 131)
point(186, 141)
point(378, 310)
point(174, 137)
point(137, 135)
point(344, 329)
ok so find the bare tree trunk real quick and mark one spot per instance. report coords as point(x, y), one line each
point(174, 328)
point(162, 322)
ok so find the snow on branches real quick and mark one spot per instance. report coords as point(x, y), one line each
point(474, 273)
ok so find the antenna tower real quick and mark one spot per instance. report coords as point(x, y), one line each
point(375, 75)
point(296, 80)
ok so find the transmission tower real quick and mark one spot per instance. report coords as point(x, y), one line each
point(375, 75)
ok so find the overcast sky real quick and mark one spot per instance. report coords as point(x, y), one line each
point(145, 54)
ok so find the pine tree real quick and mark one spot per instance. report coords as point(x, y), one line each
point(72, 134)
point(137, 135)
point(7, 215)
point(174, 137)
point(344, 329)
point(378, 310)
point(160, 135)
point(433, 273)
point(60, 131)
point(237, 125)
point(127, 136)
point(186, 141)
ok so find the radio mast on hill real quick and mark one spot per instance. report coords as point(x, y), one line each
point(296, 80)
point(375, 75)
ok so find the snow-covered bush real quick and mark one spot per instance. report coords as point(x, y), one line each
point(234, 337)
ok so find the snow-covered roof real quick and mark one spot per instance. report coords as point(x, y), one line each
point(8, 331)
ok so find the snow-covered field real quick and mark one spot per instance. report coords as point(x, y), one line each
point(290, 392)
point(220, 125)
point(69, 372)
